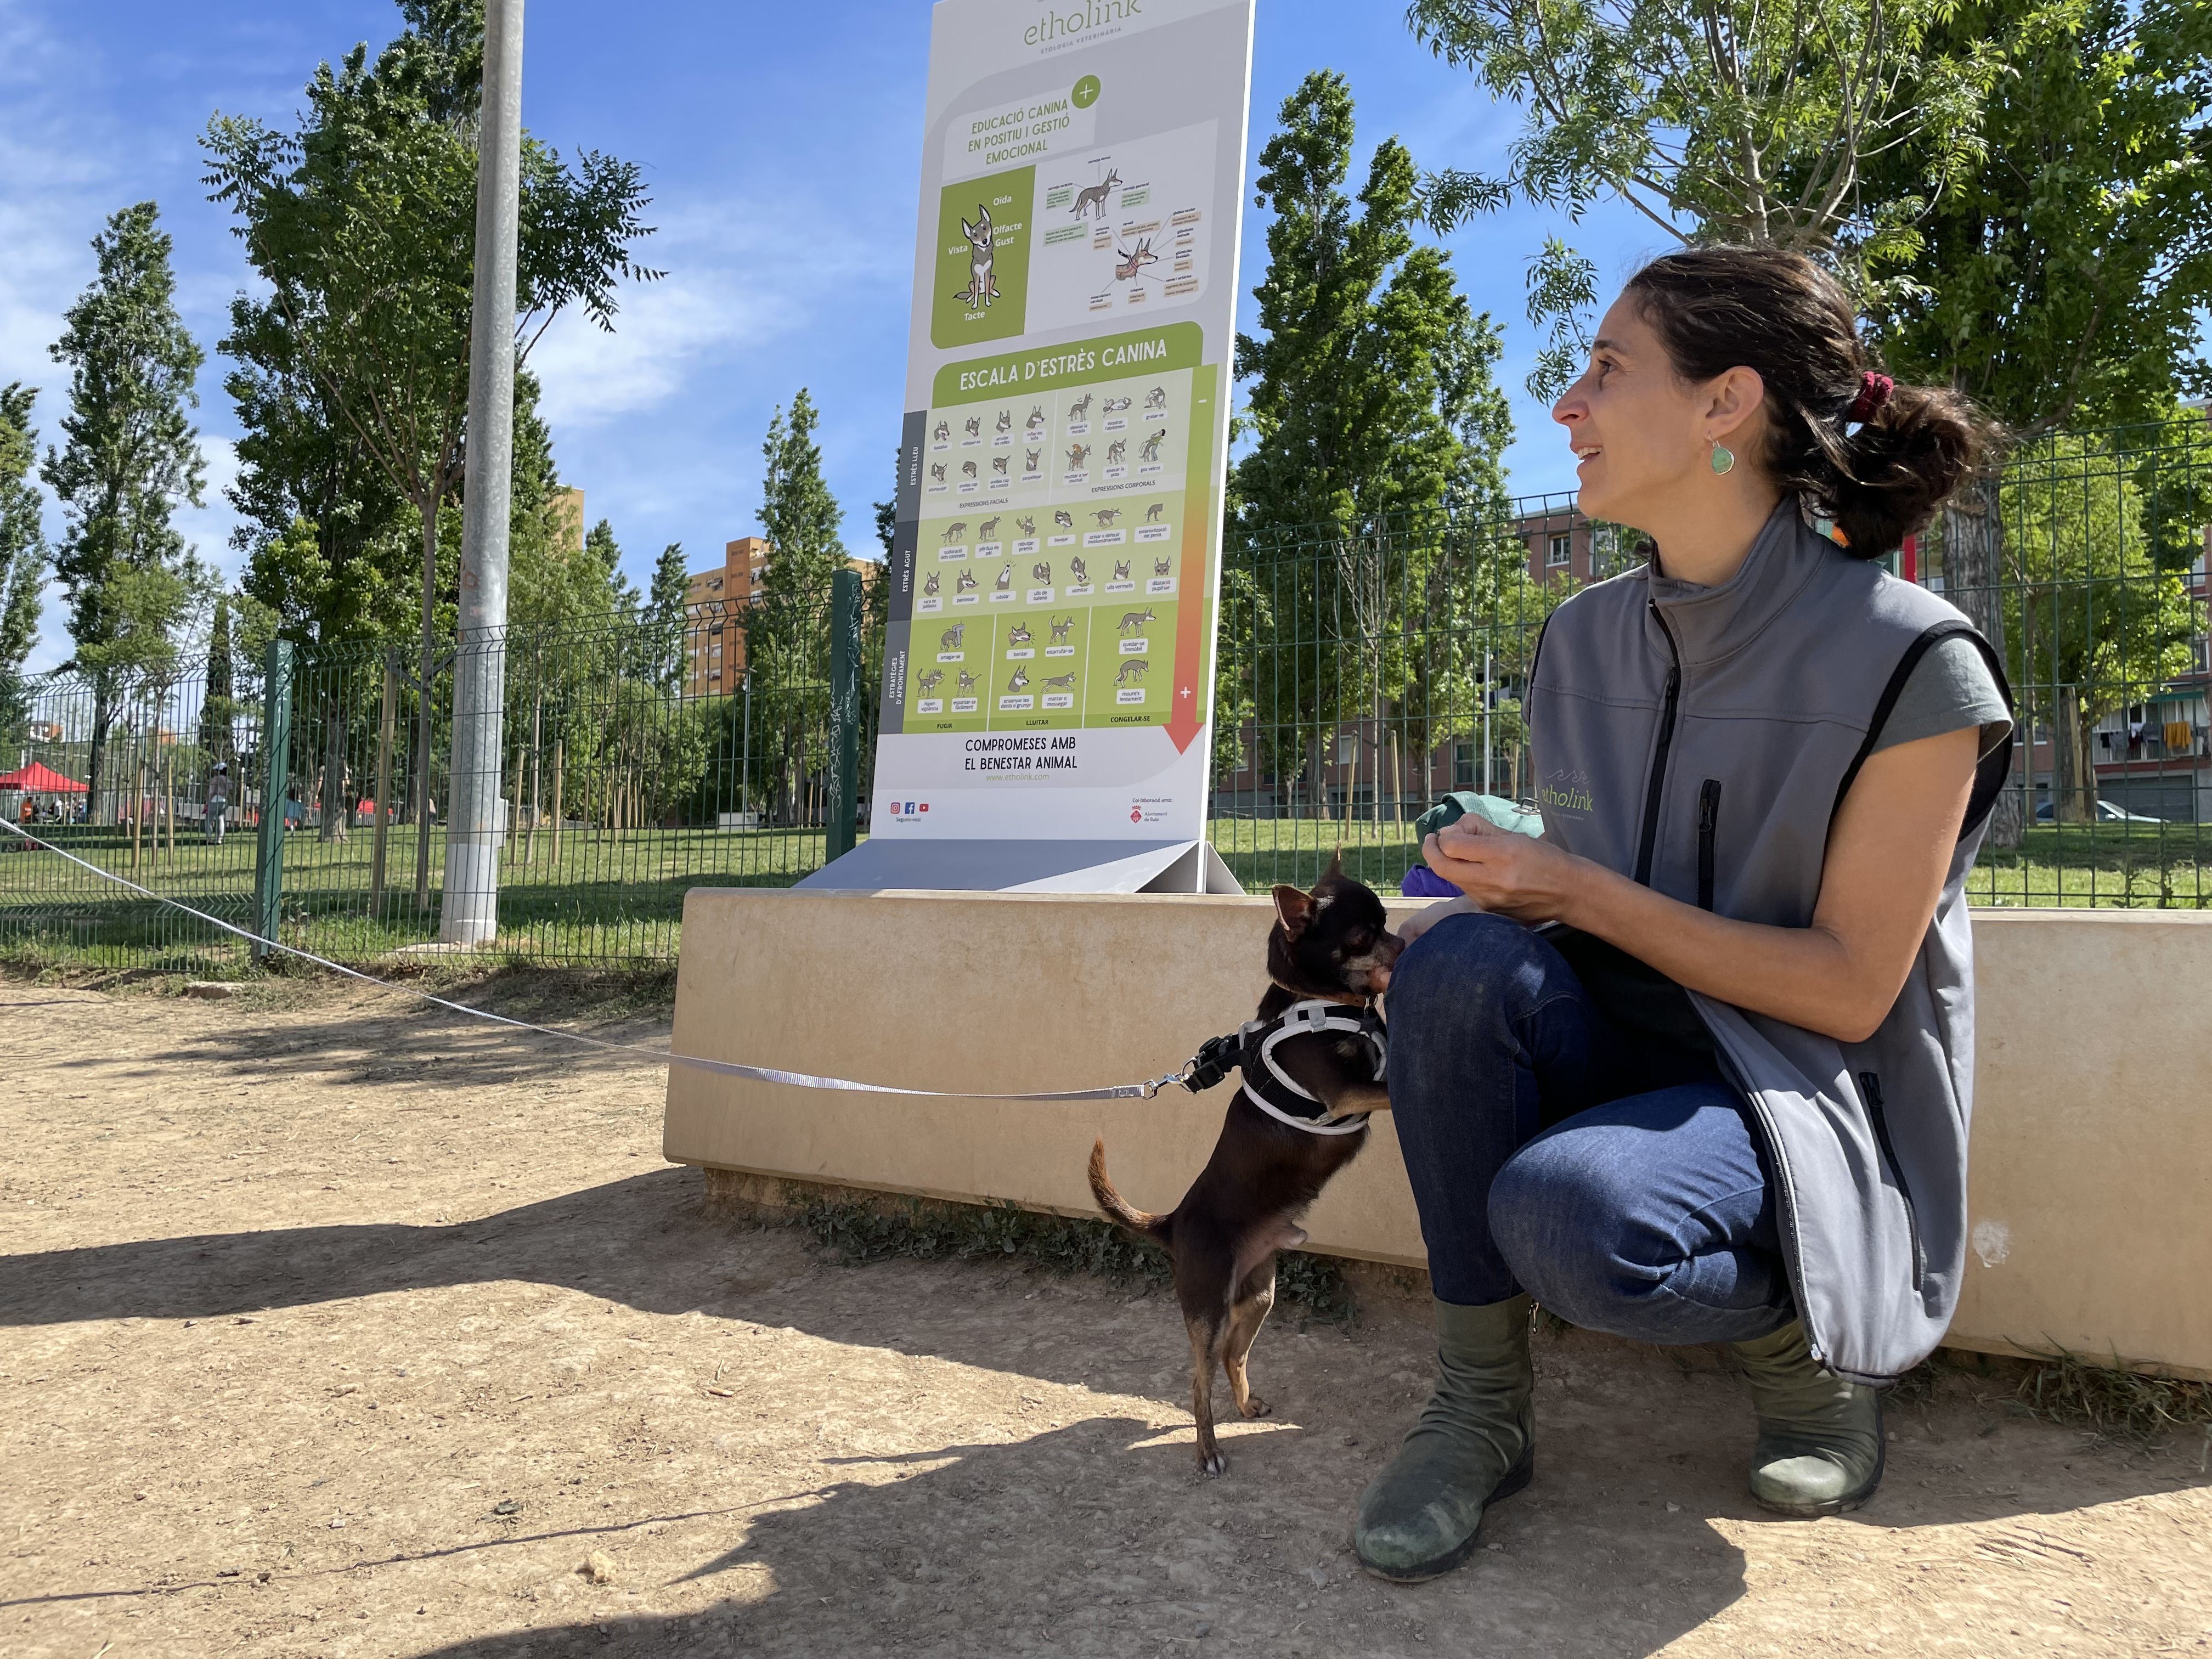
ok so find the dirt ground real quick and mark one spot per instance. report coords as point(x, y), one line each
point(331, 1325)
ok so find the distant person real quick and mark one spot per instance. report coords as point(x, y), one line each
point(218, 801)
point(295, 812)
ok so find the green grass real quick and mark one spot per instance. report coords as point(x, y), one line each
point(618, 896)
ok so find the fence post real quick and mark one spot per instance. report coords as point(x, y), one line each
point(384, 733)
point(844, 712)
point(275, 769)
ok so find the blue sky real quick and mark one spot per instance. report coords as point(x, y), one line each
point(781, 144)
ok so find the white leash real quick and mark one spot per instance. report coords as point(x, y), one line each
point(730, 1068)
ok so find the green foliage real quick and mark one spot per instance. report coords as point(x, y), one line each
point(787, 630)
point(219, 705)
point(22, 557)
point(666, 608)
point(352, 375)
point(1716, 119)
point(2064, 276)
point(129, 457)
point(130, 454)
point(1378, 428)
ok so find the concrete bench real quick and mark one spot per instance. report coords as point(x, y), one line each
point(2091, 1190)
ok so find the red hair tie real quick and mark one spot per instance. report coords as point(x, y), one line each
point(1874, 392)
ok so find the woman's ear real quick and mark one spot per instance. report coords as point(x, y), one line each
point(1732, 400)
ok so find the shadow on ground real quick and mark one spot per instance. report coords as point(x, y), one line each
point(1146, 1560)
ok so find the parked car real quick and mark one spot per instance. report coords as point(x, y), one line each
point(2106, 813)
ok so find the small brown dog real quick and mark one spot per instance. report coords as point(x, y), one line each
point(1313, 1068)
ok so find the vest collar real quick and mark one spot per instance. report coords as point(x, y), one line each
point(1706, 624)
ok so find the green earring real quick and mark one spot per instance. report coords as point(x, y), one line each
point(1724, 459)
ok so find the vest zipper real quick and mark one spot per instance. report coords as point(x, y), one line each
point(1709, 824)
point(1870, 1086)
point(1659, 754)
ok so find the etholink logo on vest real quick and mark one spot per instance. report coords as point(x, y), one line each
point(1091, 15)
point(1565, 792)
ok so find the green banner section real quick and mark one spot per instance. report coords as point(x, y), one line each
point(1110, 357)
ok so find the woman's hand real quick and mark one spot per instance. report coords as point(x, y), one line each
point(1516, 875)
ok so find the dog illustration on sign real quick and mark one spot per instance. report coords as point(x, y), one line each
point(1106, 515)
point(1060, 682)
point(985, 529)
point(1149, 449)
point(1076, 454)
point(1021, 679)
point(1026, 524)
point(1019, 634)
point(1133, 261)
point(1078, 572)
point(929, 682)
point(1040, 574)
point(975, 425)
point(955, 530)
point(929, 587)
point(1132, 668)
point(1129, 619)
point(983, 286)
point(1092, 198)
point(1156, 400)
point(965, 582)
point(950, 639)
point(1059, 627)
point(1152, 513)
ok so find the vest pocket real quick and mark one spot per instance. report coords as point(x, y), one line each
point(1870, 1086)
point(1709, 824)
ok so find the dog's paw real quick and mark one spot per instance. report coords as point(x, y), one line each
point(1212, 1463)
point(1254, 1407)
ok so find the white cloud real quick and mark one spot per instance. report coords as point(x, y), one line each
point(742, 273)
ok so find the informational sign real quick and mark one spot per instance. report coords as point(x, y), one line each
point(1047, 669)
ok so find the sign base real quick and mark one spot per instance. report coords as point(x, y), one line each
point(1028, 866)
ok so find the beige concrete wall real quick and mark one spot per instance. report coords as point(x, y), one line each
point(2092, 1178)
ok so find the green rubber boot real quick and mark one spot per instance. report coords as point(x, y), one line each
point(1820, 1448)
point(1474, 1443)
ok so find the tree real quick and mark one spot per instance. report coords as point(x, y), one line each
point(2061, 277)
point(2098, 617)
point(1370, 401)
point(667, 610)
point(1716, 120)
point(218, 704)
point(361, 223)
point(786, 631)
point(130, 456)
point(22, 559)
point(2064, 275)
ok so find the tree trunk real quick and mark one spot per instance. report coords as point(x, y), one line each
point(1973, 570)
point(428, 669)
point(334, 771)
point(2074, 768)
point(103, 719)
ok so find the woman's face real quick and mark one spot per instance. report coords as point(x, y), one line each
point(1642, 436)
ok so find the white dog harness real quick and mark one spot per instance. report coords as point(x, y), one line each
point(1268, 1086)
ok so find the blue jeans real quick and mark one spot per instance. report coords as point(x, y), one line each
point(1621, 1182)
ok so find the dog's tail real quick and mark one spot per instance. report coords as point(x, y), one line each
point(1116, 1207)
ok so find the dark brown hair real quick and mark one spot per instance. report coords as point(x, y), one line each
point(1880, 479)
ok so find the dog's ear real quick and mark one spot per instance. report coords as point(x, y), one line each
point(1335, 864)
point(1295, 909)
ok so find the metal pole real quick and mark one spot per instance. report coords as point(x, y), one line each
point(384, 733)
point(746, 757)
point(276, 767)
point(471, 916)
point(1487, 698)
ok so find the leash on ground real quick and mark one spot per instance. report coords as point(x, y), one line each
point(1202, 1072)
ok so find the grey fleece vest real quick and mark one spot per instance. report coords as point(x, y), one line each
point(1699, 740)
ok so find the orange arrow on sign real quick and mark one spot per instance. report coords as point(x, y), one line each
point(1183, 723)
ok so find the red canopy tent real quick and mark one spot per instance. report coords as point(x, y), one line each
point(40, 779)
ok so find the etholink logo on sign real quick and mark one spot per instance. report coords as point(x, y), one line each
point(1565, 792)
point(1091, 15)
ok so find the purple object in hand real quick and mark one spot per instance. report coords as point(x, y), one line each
point(1421, 882)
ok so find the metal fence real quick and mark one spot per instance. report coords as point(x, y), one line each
point(628, 775)
point(1358, 677)
point(1362, 675)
